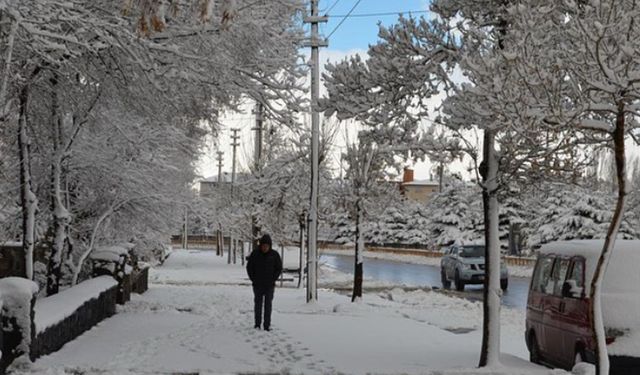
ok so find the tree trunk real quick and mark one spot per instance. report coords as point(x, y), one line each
point(440, 176)
point(359, 256)
point(597, 323)
point(28, 199)
point(94, 235)
point(490, 352)
point(60, 213)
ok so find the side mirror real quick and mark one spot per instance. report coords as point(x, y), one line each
point(571, 290)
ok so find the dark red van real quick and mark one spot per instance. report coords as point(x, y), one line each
point(558, 314)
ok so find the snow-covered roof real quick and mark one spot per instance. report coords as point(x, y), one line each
point(214, 179)
point(226, 177)
point(623, 273)
point(590, 248)
point(421, 183)
point(11, 244)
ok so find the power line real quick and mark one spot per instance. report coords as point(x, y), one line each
point(332, 6)
point(378, 14)
point(344, 18)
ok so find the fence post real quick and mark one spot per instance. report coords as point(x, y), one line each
point(218, 242)
point(242, 252)
point(235, 250)
point(229, 250)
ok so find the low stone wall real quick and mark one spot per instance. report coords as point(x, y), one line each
point(114, 262)
point(40, 327)
point(417, 252)
point(90, 313)
point(140, 280)
point(520, 261)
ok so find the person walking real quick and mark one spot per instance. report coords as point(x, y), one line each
point(264, 267)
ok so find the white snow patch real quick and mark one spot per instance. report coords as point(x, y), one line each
point(200, 320)
point(54, 309)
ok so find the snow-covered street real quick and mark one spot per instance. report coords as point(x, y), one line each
point(197, 319)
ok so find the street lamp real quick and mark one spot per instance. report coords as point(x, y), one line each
point(302, 219)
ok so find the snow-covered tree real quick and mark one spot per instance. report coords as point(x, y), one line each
point(389, 135)
point(131, 83)
point(573, 212)
point(455, 215)
point(587, 55)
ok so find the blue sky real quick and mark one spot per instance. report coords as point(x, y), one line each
point(358, 32)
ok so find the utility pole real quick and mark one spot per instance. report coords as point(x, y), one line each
point(257, 160)
point(257, 148)
point(312, 253)
point(234, 144)
point(219, 159)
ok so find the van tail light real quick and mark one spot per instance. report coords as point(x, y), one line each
point(610, 340)
point(612, 333)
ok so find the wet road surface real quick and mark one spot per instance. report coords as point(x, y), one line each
point(424, 275)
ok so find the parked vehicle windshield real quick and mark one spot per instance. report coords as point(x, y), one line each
point(472, 251)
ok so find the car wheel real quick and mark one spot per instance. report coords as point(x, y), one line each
point(446, 283)
point(534, 350)
point(504, 284)
point(459, 283)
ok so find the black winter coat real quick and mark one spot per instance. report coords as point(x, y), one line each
point(264, 268)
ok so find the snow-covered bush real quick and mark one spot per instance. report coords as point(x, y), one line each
point(17, 296)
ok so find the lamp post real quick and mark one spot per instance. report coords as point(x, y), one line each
point(302, 219)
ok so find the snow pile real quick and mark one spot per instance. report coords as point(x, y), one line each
point(583, 369)
point(54, 309)
point(16, 294)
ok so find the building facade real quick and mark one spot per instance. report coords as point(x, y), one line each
point(418, 190)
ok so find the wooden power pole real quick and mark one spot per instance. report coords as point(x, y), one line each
point(234, 143)
point(312, 249)
point(219, 159)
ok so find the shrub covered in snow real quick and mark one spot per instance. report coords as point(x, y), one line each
point(18, 297)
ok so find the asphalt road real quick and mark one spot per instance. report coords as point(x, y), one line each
point(423, 275)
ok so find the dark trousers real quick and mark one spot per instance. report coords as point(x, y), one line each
point(262, 294)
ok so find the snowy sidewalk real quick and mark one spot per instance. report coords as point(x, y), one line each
point(197, 318)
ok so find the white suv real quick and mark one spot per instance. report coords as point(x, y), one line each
point(464, 264)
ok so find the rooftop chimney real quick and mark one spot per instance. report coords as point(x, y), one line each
point(408, 175)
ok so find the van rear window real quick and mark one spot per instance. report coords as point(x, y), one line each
point(542, 275)
point(559, 274)
point(577, 273)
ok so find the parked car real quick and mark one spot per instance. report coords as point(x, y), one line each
point(558, 314)
point(464, 264)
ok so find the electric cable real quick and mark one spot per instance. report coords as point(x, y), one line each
point(344, 18)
